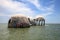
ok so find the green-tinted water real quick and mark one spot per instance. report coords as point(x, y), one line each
point(48, 32)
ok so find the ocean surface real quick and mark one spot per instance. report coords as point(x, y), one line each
point(47, 32)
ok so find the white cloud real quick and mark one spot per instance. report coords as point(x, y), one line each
point(46, 10)
point(21, 8)
point(16, 7)
point(1, 14)
point(36, 3)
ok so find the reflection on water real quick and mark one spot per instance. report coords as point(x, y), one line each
point(48, 32)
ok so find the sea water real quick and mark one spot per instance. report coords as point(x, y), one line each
point(47, 32)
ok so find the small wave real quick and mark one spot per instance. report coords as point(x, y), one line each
point(46, 25)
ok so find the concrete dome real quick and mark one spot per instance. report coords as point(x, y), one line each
point(40, 20)
point(18, 22)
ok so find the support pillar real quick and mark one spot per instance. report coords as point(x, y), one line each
point(44, 22)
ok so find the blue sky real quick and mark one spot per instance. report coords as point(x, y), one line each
point(49, 9)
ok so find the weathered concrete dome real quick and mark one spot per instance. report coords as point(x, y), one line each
point(41, 21)
point(18, 22)
point(38, 21)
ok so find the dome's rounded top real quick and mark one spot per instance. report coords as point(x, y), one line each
point(18, 15)
point(40, 18)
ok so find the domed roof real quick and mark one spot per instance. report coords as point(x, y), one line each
point(40, 18)
point(18, 20)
